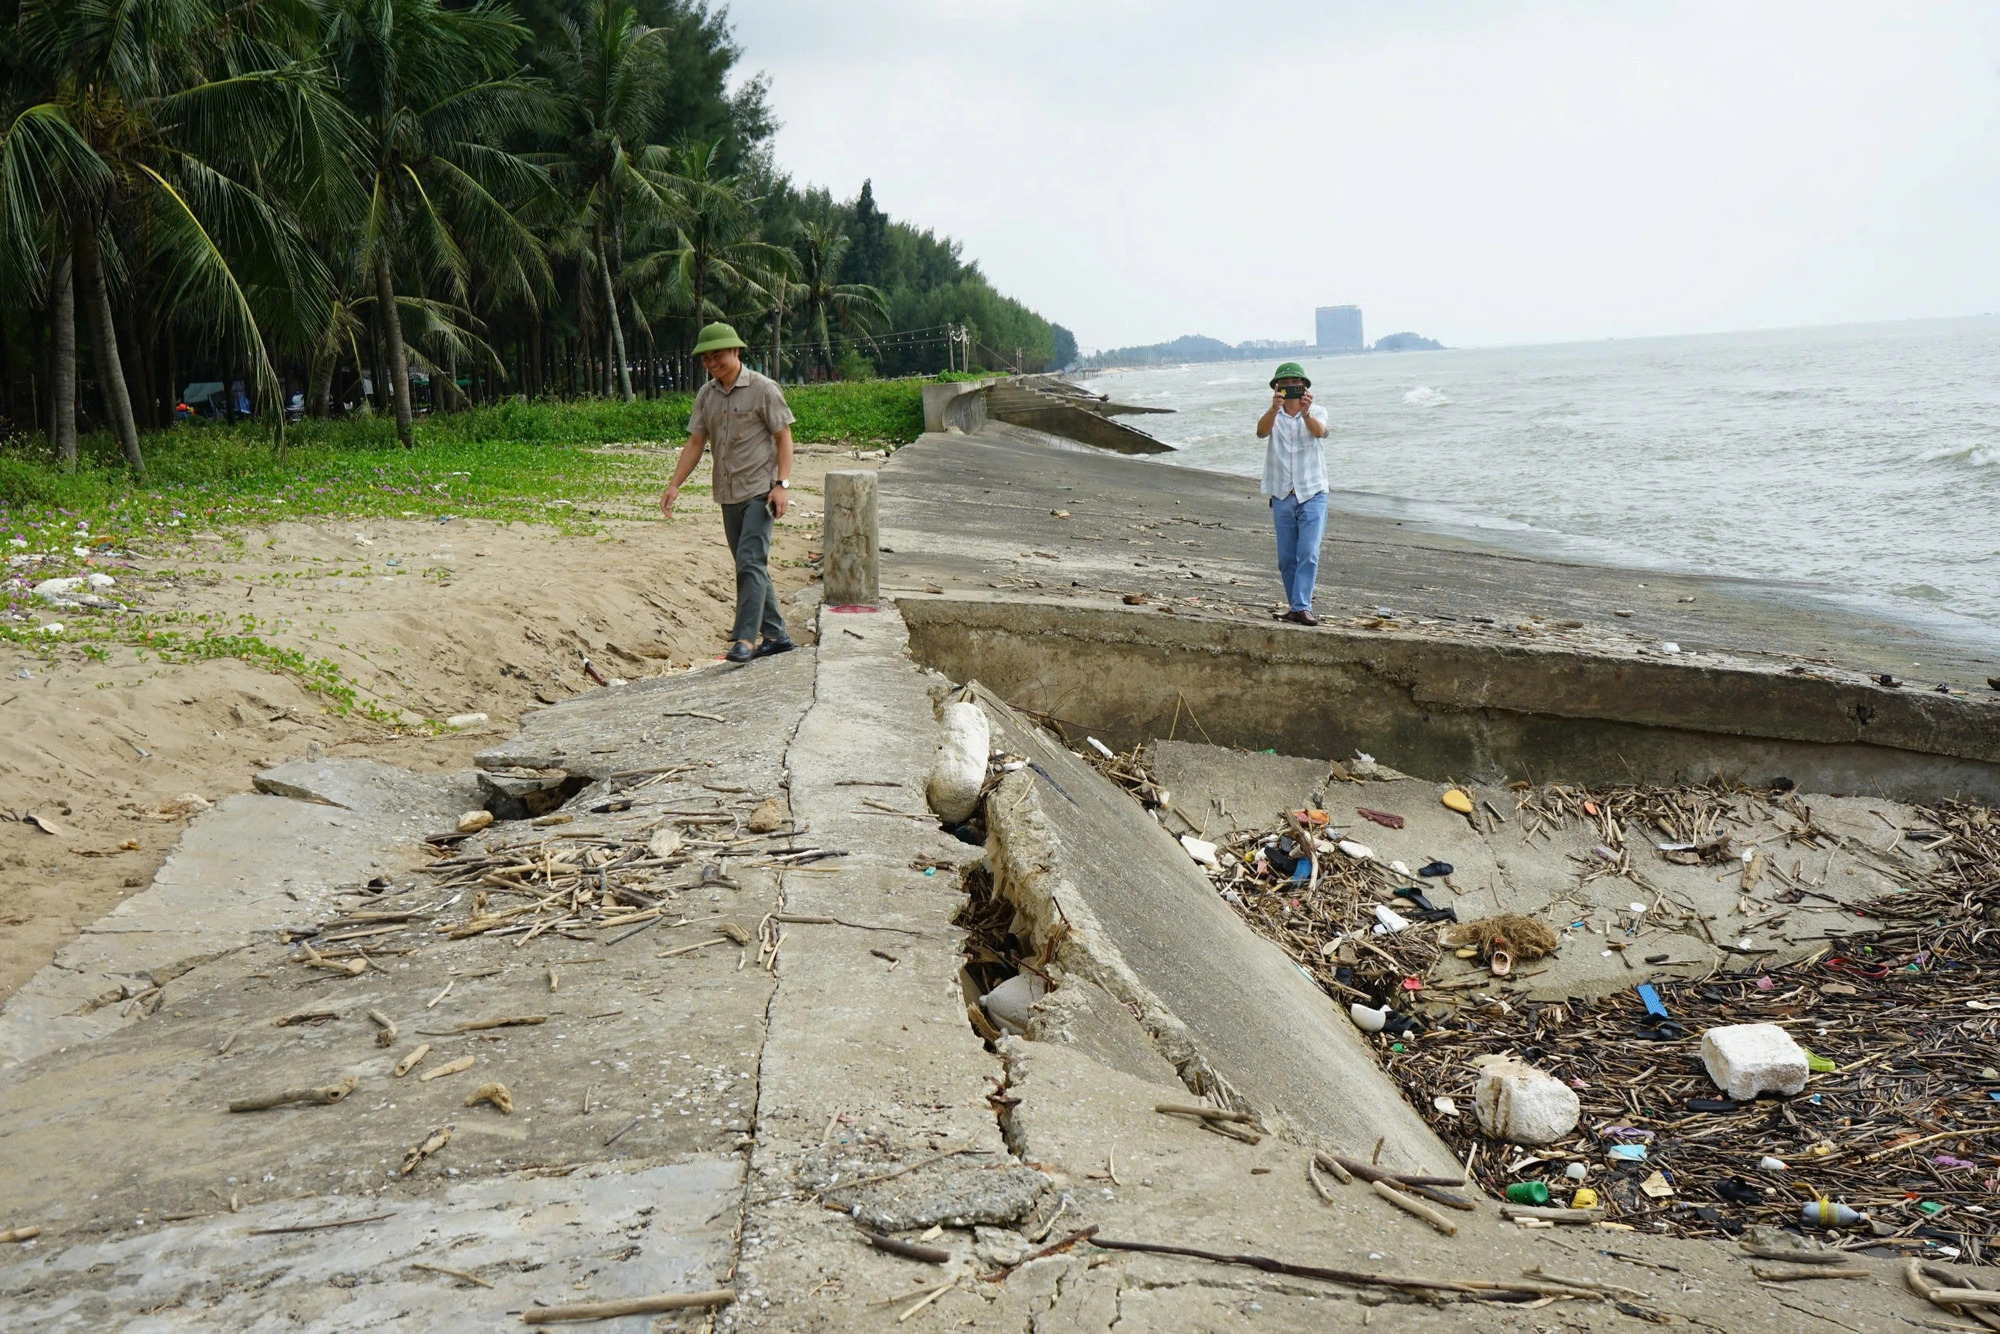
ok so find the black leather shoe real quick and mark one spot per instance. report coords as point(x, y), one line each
point(740, 652)
point(771, 647)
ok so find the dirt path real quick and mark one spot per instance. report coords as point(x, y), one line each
point(422, 619)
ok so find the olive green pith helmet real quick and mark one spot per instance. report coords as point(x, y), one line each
point(1291, 370)
point(716, 337)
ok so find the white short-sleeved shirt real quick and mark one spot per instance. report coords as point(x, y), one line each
point(1294, 460)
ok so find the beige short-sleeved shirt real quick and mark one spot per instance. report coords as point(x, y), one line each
point(741, 425)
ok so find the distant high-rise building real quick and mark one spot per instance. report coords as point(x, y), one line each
point(1338, 329)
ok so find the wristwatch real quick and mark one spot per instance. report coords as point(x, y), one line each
point(782, 482)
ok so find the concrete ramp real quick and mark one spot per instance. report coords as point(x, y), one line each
point(1127, 910)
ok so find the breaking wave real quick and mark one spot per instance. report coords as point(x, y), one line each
point(1423, 396)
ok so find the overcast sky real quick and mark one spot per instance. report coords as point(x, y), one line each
point(1482, 173)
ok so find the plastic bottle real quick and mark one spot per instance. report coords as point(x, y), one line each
point(1828, 1213)
point(1528, 1192)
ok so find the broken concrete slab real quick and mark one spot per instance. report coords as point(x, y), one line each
point(1235, 1016)
point(1217, 789)
point(242, 870)
point(593, 1236)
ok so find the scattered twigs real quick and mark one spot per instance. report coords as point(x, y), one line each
point(925, 1300)
point(909, 1250)
point(805, 919)
point(1550, 1214)
point(666, 1301)
point(322, 1096)
point(1205, 1113)
point(454, 1273)
point(1334, 1165)
point(1588, 1284)
point(1054, 1247)
point(1369, 1172)
point(901, 1171)
point(506, 1021)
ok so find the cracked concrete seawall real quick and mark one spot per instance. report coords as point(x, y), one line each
point(1119, 905)
point(1446, 709)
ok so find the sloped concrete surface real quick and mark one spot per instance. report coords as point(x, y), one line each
point(242, 870)
point(1228, 1009)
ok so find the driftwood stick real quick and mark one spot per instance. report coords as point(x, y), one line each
point(1797, 1255)
point(1589, 1284)
point(21, 1233)
point(448, 1068)
point(455, 1273)
point(1052, 1248)
point(1416, 1207)
point(807, 919)
point(925, 1300)
point(1312, 1175)
point(1913, 1273)
point(1205, 1113)
point(1332, 1164)
point(386, 1036)
point(317, 1227)
point(1370, 1172)
point(1352, 1277)
point(505, 1021)
point(1550, 1214)
point(409, 1063)
point(1778, 1273)
point(665, 1301)
point(909, 1250)
point(324, 1096)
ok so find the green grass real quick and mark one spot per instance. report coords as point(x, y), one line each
point(533, 462)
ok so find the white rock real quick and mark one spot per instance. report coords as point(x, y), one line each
point(959, 769)
point(462, 720)
point(100, 580)
point(1745, 1060)
point(53, 628)
point(1201, 850)
point(1007, 1004)
point(55, 590)
point(1361, 852)
point(665, 842)
point(473, 821)
point(1389, 921)
point(1521, 1104)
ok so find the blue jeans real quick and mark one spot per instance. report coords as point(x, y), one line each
point(1300, 525)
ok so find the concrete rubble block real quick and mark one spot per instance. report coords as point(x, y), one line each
point(959, 1192)
point(1745, 1060)
point(1523, 1105)
point(959, 769)
point(517, 798)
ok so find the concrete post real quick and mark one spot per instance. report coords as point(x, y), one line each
point(851, 537)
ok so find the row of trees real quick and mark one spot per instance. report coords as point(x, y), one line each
point(406, 205)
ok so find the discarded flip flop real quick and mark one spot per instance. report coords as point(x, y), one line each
point(1840, 963)
point(1435, 869)
point(1456, 800)
point(1416, 896)
point(1387, 819)
point(1739, 1190)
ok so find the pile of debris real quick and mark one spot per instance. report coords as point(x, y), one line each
point(1895, 1138)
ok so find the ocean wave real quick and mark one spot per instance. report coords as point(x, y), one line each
point(1975, 456)
point(1423, 396)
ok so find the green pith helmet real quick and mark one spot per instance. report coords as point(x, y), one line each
point(716, 337)
point(1291, 370)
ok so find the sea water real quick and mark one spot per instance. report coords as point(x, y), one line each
point(1862, 458)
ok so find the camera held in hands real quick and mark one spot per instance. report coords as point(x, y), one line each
point(1295, 391)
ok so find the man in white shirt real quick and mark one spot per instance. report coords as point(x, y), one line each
point(1292, 430)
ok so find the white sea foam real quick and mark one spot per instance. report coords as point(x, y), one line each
point(1423, 396)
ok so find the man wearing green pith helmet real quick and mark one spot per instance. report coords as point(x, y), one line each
point(745, 417)
point(1293, 432)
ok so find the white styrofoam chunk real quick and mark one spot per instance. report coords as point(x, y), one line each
point(1523, 1105)
point(1745, 1060)
point(959, 770)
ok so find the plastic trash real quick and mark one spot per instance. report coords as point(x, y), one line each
point(1585, 1198)
point(1007, 1004)
point(1652, 1001)
point(1769, 1164)
point(1818, 1064)
point(1627, 1153)
point(1201, 850)
point(1361, 852)
point(1828, 1213)
point(1739, 1190)
point(1456, 800)
point(1528, 1192)
point(1366, 1019)
point(1435, 869)
point(1389, 921)
point(958, 770)
point(1399, 868)
point(1576, 1171)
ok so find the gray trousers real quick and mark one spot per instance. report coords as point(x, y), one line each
point(747, 528)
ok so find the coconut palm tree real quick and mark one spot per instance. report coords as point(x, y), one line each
point(197, 133)
point(713, 242)
point(434, 87)
point(613, 70)
point(828, 303)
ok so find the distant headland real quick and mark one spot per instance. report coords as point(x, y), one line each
point(1199, 347)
